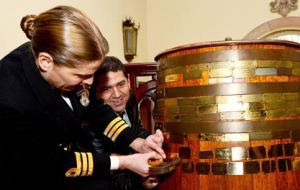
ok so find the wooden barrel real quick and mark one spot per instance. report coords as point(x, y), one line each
point(231, 111)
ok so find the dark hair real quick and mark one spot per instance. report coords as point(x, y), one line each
point(110, 63)
point(67, 34)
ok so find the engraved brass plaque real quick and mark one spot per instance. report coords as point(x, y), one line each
point(254, 115)
point(219, 168)
point(239, 153)
point(236, 137)
point(244, 64)
point(192, 75)
point(228, 116)
point(273, 97)
point(231, 107)
point(297, 149)
point(251, 167)
point(223, 153)
point(264, 63)
point(217, 65)
point(268, 166)
point(235, 168)
point(257, 152)
point(206, 155)
point(199, 67)
point(204, 109)
point(203, 168)
point(252, 98)
point(187, 109)
point(186, 101)
point(265, 71)
point(222, 72)
point(296, 72)
point(171, 78)
point(228, 99)
point(220, 80)
point(243, 72)
point(296, 164)
point(205, 100)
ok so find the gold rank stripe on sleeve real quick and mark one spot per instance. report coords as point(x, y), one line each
point(114, 128)
point(91, 164)
point(84, 165)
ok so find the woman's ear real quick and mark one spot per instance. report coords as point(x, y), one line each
point(45, 61)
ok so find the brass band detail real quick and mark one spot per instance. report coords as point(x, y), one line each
point(229, 89)
point(231, 127)
point(237, 137)
point(233, 69)
point(230, 55)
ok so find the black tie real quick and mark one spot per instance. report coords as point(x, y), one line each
point(121, 114)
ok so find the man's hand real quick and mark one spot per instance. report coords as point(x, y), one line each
point(151, 143)
point(150, 182)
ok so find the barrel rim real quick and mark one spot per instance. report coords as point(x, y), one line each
point(225, 43)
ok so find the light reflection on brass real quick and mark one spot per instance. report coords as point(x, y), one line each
point(243, 72)
point(228, 99)
point(220, 80)
point(222, 72)
point(236, 137)
point(230, 107)
point(225, 137)
point(244, 64)
point(232, 116)
point(233, 153)
point(239, 153)
point(251, 98)
point(235, 168)
point(217, 65)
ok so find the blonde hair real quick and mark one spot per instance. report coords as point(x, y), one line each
point(67, 34)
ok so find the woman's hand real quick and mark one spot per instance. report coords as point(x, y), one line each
point(138, 163)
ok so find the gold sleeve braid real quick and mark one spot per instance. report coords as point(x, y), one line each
point(84, 165)
point(114, 128)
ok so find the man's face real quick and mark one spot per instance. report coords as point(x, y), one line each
point(114, 89)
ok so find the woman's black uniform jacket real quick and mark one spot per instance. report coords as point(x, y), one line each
point(37, 126)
